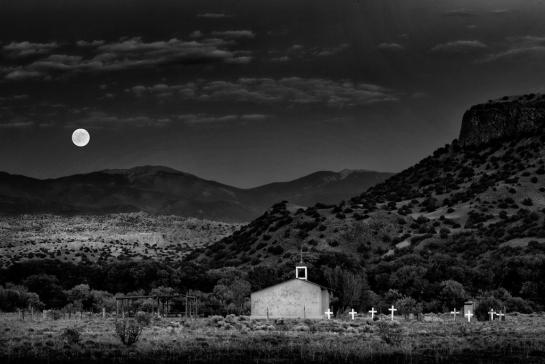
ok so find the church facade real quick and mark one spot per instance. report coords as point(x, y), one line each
point(296, 298)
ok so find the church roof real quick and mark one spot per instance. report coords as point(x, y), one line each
point(295, 279)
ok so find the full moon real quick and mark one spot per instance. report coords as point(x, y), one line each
point(81, 137)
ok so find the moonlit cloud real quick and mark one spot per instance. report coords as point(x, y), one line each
point(17, 123)
point(210, 119)
point(214, 15)
point(125, 54)
point(289, 90)
point(394, 47)
point(103, 120)
point(524, 48)
point(459, 47)
point(27, 49)
point(462, 12)
point(234, 34)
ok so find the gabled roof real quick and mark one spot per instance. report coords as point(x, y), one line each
point(295, 279)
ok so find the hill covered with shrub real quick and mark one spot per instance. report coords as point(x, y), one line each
point(469, 216)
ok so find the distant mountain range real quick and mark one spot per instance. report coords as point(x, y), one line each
point(162, 190)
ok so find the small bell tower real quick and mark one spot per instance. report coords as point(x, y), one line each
point(301, 269)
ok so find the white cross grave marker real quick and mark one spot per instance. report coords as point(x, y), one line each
point(500, 315)
point(392, 310)
point(328, 313)
point(372, 312)
point(469, 315)
point(491, 313)
point(353, 313)
point(454, 313)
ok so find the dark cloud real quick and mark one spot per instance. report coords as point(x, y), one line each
point(290, 90)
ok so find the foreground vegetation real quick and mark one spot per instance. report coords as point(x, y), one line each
point(436, 339)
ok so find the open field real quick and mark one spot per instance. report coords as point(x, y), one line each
point(521, 339)
point(94, 238)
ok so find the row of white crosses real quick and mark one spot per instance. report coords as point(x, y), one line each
point(470, 314)
point(493, 313)
point(353, 313)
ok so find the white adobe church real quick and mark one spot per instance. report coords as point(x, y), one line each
point(296, 298)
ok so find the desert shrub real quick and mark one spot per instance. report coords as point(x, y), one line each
point(71, 335)
point(143, 318)
point(390, 332)
point(128, 331)
point(408, 305)
point(56, 314)
point(277, 250)
point(518, 304)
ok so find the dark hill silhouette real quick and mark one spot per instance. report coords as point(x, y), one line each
point(163, 190)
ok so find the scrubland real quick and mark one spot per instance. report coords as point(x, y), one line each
point(235, 339)
point(103, 238)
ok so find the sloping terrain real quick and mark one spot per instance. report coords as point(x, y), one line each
point(473, 213)
point(165, 191)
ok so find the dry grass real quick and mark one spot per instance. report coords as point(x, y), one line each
point(239, 339)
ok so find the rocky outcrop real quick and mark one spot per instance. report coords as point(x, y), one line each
point(504, 118)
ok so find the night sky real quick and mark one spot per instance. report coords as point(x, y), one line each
point(247, 92)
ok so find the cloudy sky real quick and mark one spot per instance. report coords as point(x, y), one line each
point(247, 92)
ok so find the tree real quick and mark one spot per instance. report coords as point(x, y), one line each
point(409, 280)
point(48, 289)
point(452, 294)
point(408, 305)
point(351, 289)
point(18, 297)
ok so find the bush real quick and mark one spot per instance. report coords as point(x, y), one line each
point(390, 332)
point(71, 335)
point(481, 311)
point(143, 318)
point(128, 330)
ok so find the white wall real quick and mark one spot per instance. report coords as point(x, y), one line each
point(291, 299)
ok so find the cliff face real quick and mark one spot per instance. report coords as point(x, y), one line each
point(508, 117)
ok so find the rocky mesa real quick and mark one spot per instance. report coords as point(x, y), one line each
point(503, 118)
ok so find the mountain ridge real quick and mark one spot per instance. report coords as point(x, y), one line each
point(164, 190)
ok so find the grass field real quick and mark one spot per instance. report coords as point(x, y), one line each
point(521, 339)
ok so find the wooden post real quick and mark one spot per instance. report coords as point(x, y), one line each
point(103, 313)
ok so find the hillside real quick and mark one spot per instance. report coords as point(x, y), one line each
point(472, 212)
point(165, 191)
